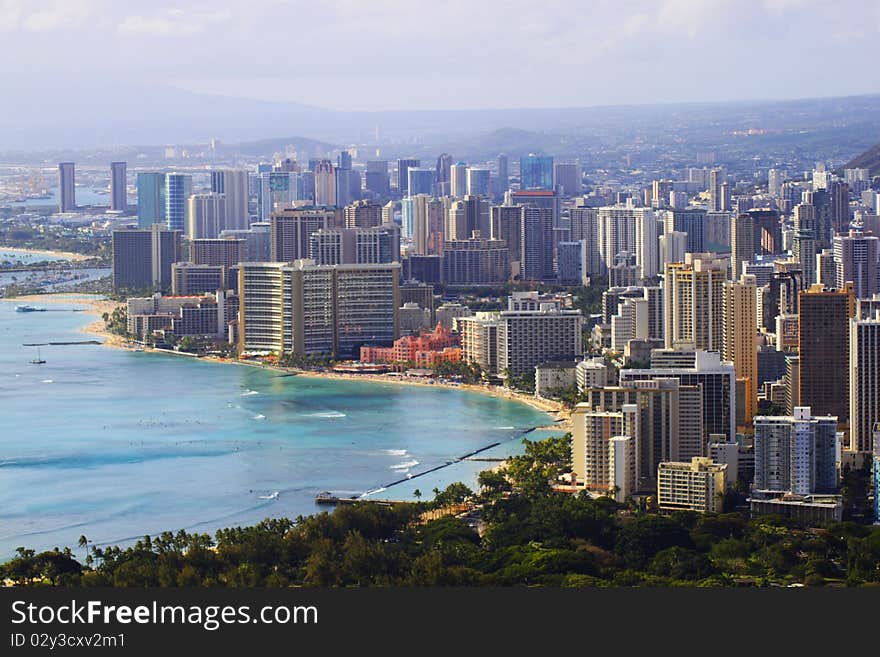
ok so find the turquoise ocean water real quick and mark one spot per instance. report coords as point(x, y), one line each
point(116, 444)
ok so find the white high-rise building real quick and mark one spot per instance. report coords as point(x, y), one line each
point(864, 381)
point(205, 215)
point(647, 245)
point(234, 184)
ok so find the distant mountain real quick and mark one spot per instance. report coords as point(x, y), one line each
point(261, 147)
point(870, 159)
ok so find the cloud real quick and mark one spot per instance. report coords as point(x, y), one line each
point(55, 15)
point(172, 23)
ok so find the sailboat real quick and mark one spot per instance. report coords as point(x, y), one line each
point(38, 360)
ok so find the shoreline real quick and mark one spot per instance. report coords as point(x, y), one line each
point(559, 415)
point(63, 255)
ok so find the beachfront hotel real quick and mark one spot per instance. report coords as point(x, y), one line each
point(309, 309)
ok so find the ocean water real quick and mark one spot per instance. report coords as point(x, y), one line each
point(115, 444)
point(25, 257)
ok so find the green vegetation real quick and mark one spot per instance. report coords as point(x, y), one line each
point(529, 534)
point(46, 237)
point(467, 372)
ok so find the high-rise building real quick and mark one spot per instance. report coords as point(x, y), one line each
point(716, 378)
point(118, 187)
point(363, 214)
point(742, 243)
point(502, 180)
point(475, 261)
point(584, 226)
point(458, 180)
point(142, 258)
point(692, 304)
point(536, 172)
point(225, 252)
point(291, 230)
point(670, 426)
point(740, 345)
point(536, 244)
point(719, 195)
point(533, 331)
point(309, 309)
point(567, 176)
point(647, 245)
point(443, 175)
point(804, 244)
point(234, 184)
point(257, 240)
point(188, 279)
point(403, 167)
point(690, 221)
point(178, 188)
point(150, 199)
point(205, 215)
point(696, 486)
point(325, 183)
point(855, 259)
point(796, 453)
point(592, 446)
point(478, 182)
point(66, 187)
point(864, 382)
point(479, 338)
point(338, 246)
point(277, 190)
point(673, 246)
point(616, 231)
point(376, 178)
point(823, 345)
point(420, 181)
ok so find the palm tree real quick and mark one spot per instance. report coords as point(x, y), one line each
point(417, 494)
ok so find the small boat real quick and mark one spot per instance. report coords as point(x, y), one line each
point(273, 496)
point(38, 360)
point(29, 309)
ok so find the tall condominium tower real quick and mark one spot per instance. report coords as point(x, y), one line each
point(325, 183)
point(150, 199)
point(458, 180)
point(205, 215)
point(403, 167)
point(855, 259)
point(693, 309)
point(823, 345)
point(864, 384)
point(66, 187)
point(796, 453)
point(291, 230)
point(142, 259)
point(178, 188)
point(234, 184)
point(118, 189)
point(740, 345)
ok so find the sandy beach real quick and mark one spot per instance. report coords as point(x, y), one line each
point(97, 328)
point(64, 255)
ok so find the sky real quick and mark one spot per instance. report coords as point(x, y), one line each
point(449, 54)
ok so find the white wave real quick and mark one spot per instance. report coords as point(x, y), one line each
point(406, 465)
point(326, 414)
point(47, 381)
point(373, 492)
point(248, 393)
point(394, 452)
point(259, 416)
point(504, 428)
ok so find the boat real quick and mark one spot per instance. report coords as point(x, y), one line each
point(38, 360)
point(273, 496)
point(29, 309)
